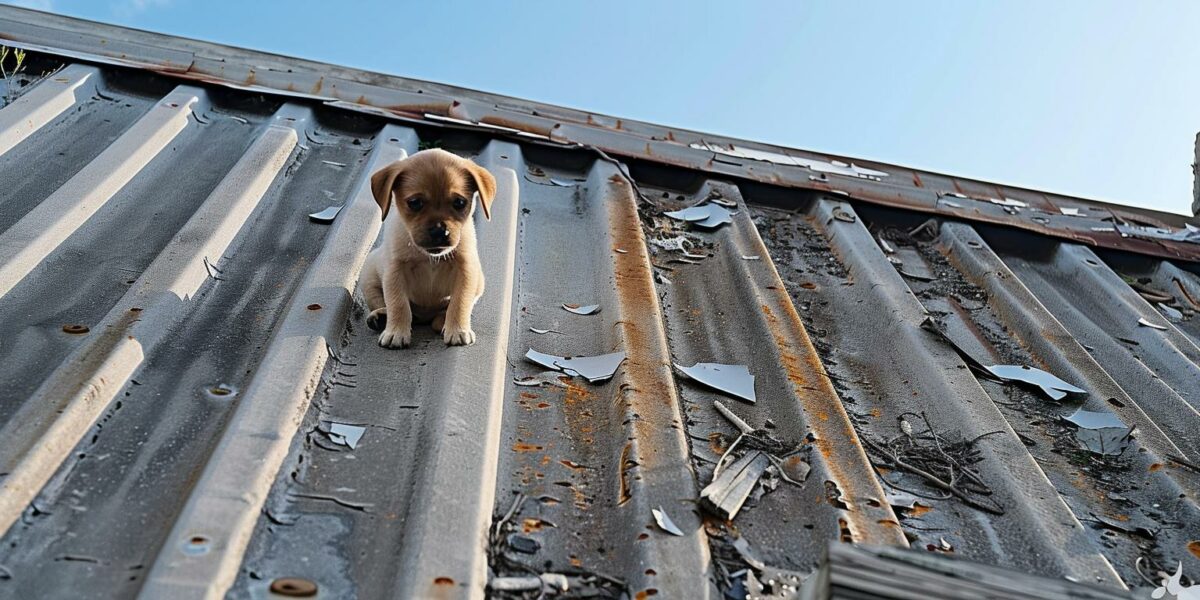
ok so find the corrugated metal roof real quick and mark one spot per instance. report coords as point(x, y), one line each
point(179, 338)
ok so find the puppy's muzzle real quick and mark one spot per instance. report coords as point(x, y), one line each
point(437, 239)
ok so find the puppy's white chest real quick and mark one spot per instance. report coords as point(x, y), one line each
point(428, 283)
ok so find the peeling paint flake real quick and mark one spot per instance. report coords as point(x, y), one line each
point(707, 216)
point(344, 434)
point(1101, 433)
point(589, 309)
point(325, 216)
point(733, 380)
point(595, 369)
point(1050, 385)
point(664, 521)
point(1144, 323)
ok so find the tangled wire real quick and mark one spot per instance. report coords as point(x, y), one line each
point(942, 462)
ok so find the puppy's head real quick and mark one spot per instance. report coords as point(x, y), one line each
point(434, 192)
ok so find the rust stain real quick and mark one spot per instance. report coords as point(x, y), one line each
point(649, 388)
point(918, 511)
point(876, 412)
point(1156, 467)
point(316, 88)
point(576, 393)
point(845, 534)
point(575, 561)
point(581, 501)
point(529, 395)
point(623, 494)
point(524, 447)
point(532, 525)
point(714, 443)
point(519, 125)
point(572, 465)
point(842, 453)
point(1194, 548)
point(646, 593)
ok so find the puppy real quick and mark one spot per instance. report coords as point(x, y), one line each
point(427, 267)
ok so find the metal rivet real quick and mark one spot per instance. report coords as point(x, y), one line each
point(75, 329)
point(294, 587)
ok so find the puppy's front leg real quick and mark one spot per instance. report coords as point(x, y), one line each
point(398, 331)
point(467, 290)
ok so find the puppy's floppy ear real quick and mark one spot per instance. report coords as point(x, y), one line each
point(485, 185)
point(382, 184)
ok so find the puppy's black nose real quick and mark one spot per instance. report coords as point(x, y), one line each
point(439, 234)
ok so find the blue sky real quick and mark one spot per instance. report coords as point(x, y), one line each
point(1090, 98)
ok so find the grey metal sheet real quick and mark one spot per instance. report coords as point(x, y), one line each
point(825, 320)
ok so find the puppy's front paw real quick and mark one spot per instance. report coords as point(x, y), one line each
point(395, 338)
point(377, 320)
point(458, 337)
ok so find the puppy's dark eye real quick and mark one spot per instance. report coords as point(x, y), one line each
point(415, 203)
point(460, 203)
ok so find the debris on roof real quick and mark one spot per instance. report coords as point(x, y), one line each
point(881, 572)
point(1146, 323)
point(590, 309)
point(705, 216)
point(944, 463)
point(733, 380)
point(1101, 432)
point(209, 368)
point(325, 216)
point(664, 521)
point(1050, 385)
point(345, 435)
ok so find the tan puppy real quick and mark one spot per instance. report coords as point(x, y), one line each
point(427, 267)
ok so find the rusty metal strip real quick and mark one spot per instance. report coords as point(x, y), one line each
point(657, 442)
point(842, 456)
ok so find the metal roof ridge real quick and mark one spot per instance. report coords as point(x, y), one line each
point(1102, 224)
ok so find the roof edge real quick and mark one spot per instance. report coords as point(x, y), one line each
point(1090, 222)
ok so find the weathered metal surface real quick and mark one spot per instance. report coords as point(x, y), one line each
point(187, 449)
point(375, 93)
